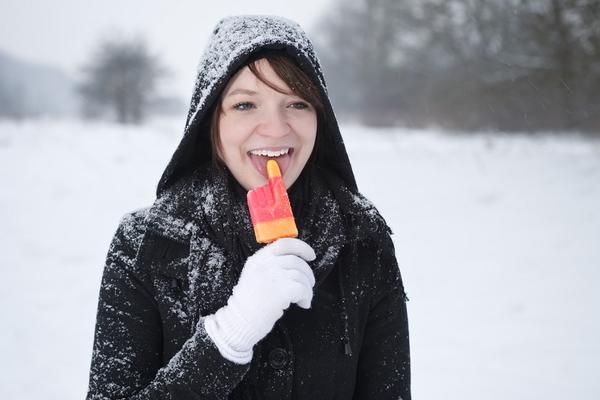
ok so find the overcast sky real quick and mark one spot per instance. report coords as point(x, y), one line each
point(63, 32)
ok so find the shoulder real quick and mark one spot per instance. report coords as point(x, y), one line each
point(128, 237)
point(363, 219)
point(132, 225)
point(367, 209)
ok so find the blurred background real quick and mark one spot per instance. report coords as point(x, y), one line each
point(481, 119)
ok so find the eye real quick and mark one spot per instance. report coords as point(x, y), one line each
point(299, 105)
point(243, 106)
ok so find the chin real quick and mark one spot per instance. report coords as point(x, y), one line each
point(255, 181)
point(289, 180)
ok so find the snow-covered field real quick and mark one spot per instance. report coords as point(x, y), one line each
point(498, 240)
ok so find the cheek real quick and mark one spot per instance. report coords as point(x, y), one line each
point(307, 129)
point(231, 138)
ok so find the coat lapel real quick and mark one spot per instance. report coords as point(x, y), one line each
point(208, 272)
point(192, 212)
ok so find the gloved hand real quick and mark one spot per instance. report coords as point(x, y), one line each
point(272, 278)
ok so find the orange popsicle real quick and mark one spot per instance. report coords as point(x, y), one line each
point(270, 209)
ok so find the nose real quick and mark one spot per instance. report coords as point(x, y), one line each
point(273, 123)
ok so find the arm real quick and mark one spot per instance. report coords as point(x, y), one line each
point(384, 362)
point(127, 358)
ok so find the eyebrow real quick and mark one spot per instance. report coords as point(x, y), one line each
point(241, 91)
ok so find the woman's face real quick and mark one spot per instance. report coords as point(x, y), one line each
point(258, 123)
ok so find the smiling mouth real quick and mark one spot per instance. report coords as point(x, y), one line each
point(259, 158)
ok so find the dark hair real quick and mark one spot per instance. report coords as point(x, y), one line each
point(295, 78)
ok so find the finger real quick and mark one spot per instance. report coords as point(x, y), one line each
point(305, 303)
point(301, 295)
point(293, 246)
point(297, 265)
point(294, 275)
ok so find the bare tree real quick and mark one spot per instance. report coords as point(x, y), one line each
point(121, 79)
point(466, 64)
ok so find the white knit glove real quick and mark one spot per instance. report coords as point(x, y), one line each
point(272, 278)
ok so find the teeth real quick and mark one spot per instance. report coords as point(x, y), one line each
point(269, 153)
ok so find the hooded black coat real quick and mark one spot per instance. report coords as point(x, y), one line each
point(173, 263)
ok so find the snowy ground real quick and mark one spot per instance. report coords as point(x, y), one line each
point(498, 240)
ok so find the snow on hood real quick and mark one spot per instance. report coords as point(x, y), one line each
point(233, 41)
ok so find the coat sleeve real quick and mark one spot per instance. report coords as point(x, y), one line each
point(384, 361)
point(127, 355)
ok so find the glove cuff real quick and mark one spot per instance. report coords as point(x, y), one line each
point(232, 335)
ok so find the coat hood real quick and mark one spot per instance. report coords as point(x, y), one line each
point(234, 41)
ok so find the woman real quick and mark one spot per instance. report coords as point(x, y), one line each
point(191, 307)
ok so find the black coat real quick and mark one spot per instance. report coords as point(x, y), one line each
point(149, 344)
point(165, 271)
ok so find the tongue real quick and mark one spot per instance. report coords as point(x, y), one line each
point(260, 163)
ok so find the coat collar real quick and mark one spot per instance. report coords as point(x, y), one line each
point(188, 211)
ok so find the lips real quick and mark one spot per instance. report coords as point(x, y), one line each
point(260, 161)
